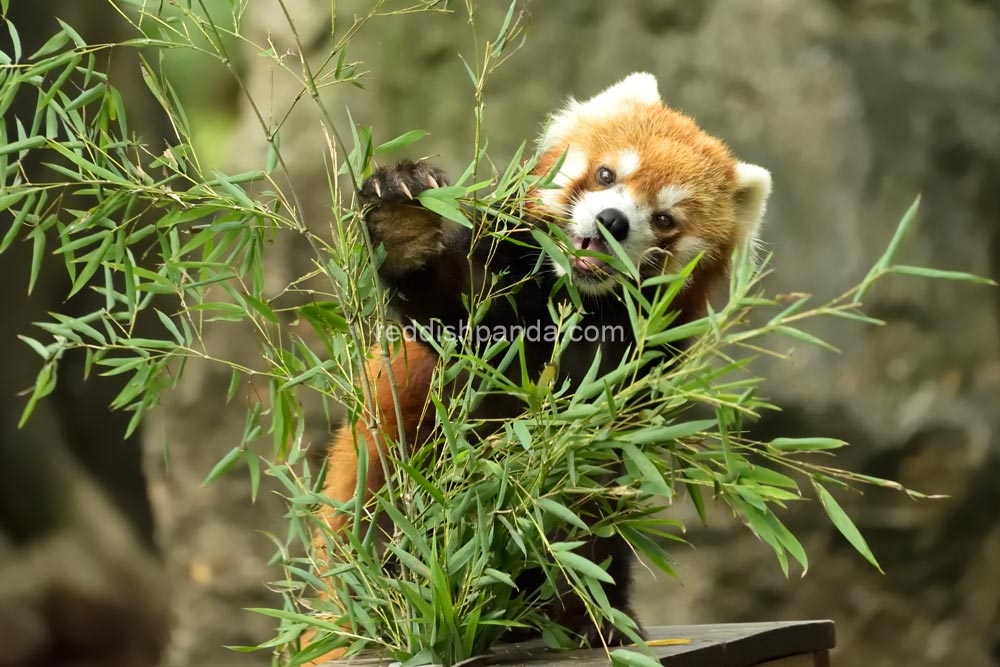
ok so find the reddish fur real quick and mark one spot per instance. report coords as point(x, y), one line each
point(411, 370)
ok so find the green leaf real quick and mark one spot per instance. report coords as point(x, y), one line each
point(800, 335)
point(502, 35)
point(90, 170)
point(682, 332)
point(856, 317)
point(562, 512)
point(253, 465)
point(663, 435)
point(170, 326)
point(137, 385)
point(25, 144)
point(325, 316)
point(566, 546)
point(74, 35)
point(120, 365)
point(623, 657)
point(844, 524)
point(37, 250)
point(554, 252)
point(152, 343)
point(94, 259)
point(402, 141)
point(938, 274)
point(769, 477)
point(273, 153)
point(653, 481)
point(227, 463)
point(37, 347)
point(806, 444)
point(584, 566)
point(86, 97)
point(15, 40)
point(53, 44)
point(418, 477)
point(694, 492)
point(311, 621)
point(234, 384)
point(787, 540)
point(409, 561)
point(522, 432)
point(45, 383)
point(19, 217)
point(80, 325)
point(444, 202)
point(902, 231)
point(261, 308)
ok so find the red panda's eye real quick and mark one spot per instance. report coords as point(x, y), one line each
point(605, 176)
point(665, 220)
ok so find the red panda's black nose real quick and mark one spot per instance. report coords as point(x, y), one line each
point(615, 222)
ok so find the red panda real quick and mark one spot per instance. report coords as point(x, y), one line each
point(649, 176)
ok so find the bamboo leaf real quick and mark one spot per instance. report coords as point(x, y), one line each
point(273, 153)
point(800, 335)
point(253, 466)
point(903, 230)
point(94, 259)
point(225, 464)
point(170, 326)
point(664, 435)
point(402, 141)
point(806, 444)
point(443, 201)
point(584, 566)
point(844, 524)
point(938, 274)
point(562, 512)
point(653, 481)
point(15, 40)
point(73, 34)
point(45, 383)
point(623, 657)
point(37, 250)
point(25, 144)
point(694, 492)
point(40, 349)
point(51, 45)
point(553, 251)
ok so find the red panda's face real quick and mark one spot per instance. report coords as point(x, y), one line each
point(651, 179)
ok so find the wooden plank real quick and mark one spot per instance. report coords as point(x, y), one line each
point(726, 645)
point(801, 660)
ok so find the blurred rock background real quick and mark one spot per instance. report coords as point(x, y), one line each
point(855, 106)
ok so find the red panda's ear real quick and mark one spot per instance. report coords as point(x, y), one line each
point(639, 87)
point(753, 186)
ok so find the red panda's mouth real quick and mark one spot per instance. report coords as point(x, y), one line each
point(589, 265)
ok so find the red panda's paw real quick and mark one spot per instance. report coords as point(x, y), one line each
point(400, 184)
point(410, 233)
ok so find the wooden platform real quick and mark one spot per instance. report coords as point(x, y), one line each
point(779, 644)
